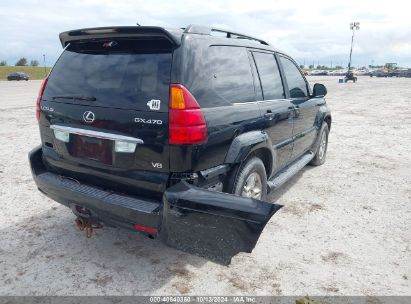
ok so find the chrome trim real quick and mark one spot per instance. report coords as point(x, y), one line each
point(247, 102)
point(97, 134)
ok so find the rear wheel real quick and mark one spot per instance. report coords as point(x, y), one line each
point(251, 180)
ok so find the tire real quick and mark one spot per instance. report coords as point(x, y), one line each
point(321, 153)
point(252, 171)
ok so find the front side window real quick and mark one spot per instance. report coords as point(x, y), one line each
point(269, 75)
point(296, 82)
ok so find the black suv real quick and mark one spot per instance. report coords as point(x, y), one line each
point(154, 129)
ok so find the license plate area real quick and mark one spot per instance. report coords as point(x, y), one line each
point(92, 148)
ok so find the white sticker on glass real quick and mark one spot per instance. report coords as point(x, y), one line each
point(154, 104)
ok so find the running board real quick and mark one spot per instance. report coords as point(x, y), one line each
point(280, 178)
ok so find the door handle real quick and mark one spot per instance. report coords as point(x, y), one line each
point(297, 111)
point(270, 115)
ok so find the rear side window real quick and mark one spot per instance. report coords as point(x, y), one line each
point(269, 75)
point(231, 76)
point(120, 74)
point(295, 81)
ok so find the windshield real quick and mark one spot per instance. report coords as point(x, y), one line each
point(120, 74)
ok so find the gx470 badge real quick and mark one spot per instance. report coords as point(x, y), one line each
point(148, 121)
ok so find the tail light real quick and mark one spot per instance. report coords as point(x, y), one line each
point(43, 86)
point(187, 124)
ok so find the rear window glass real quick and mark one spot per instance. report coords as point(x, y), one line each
point(119, 74)
point(231, 76)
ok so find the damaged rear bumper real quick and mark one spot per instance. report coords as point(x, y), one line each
point(211, 224)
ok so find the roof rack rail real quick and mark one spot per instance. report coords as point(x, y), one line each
point(205, 30)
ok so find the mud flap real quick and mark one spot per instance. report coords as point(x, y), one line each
point(211, 224)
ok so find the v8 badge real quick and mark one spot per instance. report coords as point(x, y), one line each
point(154, 104)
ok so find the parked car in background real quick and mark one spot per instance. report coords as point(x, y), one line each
point(336, 73)
point(379, 73)
point(18, 76)
point(404, 73)
point(319, 73)
point(362, 72)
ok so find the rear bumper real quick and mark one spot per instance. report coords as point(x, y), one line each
point(211, 224)
point(106, 206)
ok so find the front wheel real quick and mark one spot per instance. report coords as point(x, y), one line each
point(251, 180)
point(321, 152)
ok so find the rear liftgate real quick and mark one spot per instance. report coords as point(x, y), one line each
point(212, 224)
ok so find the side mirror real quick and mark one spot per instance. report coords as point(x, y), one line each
point(319, 90)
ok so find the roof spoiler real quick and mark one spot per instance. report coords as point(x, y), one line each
point(118, 32)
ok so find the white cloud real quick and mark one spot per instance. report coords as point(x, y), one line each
point(315, 30)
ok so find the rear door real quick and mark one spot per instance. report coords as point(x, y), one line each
point(276, 109)
point(305, 107)
point(105, 108)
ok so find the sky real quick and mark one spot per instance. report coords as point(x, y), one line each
point(311, 31)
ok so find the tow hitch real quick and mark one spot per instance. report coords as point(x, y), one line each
point(85, 220)
point(86, 224)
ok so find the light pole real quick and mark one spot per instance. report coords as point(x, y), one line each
point(44, 61)
point(353, 26)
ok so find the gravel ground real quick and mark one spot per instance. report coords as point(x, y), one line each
point(345, 228)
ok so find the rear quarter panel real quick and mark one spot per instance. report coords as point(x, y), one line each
point(225, 120)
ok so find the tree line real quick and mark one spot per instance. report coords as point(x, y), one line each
point(22, 62)
point(321, 67)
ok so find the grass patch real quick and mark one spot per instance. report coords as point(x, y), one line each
point(33, 72)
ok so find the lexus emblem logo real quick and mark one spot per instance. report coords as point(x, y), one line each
point(88, 116)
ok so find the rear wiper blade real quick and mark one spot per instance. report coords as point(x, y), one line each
point(76, 97)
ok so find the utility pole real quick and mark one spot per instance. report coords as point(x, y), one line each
point(353, 26)
point(44, 61)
